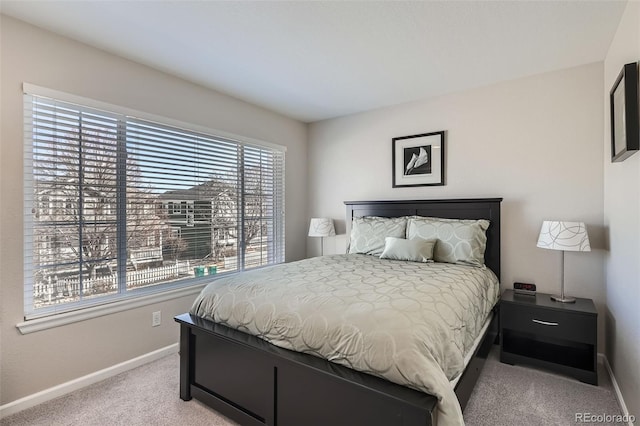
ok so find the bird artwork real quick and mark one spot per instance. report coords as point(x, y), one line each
point(416, 161)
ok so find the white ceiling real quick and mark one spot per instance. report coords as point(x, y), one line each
point(313, 60)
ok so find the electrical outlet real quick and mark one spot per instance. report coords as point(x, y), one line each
point(156, 319)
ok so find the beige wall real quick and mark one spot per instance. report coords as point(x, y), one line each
point(622, 218)
point(535, 141)
point(37, 361)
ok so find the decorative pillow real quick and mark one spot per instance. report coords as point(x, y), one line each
point(461, 241)
point(368, 233)
point(416, 250)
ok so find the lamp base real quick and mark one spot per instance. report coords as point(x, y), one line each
point(563, 299)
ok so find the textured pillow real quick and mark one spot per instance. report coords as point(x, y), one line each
point(461, 241)
point(416, 250)
point(368, 233)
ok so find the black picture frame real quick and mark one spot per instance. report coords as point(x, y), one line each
point(418, 160)
point(623, 101)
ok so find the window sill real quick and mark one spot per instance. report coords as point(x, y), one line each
point(45, 323)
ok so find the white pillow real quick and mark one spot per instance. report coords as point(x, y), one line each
point(368, 233)
point(415, 250)
point(461, 241)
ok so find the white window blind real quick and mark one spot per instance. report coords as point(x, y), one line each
point(117, 206)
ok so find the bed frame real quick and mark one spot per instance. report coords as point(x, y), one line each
point(256, 383)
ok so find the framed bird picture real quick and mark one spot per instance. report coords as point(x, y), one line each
point(418, 160)
point(623, 101)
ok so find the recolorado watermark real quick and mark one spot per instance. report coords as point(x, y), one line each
point(604, 418)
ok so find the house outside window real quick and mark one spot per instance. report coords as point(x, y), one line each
point(120, 206)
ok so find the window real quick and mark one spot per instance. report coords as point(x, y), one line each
point(117, 205)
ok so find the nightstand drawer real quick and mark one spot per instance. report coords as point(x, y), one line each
point(549, 322)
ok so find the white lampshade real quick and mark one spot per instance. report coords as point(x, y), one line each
point(566, 236)
point(321, 227)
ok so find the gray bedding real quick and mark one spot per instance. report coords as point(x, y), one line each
point(408, 322)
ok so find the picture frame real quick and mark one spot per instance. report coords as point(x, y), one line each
point(418, 160)
point(623, 100)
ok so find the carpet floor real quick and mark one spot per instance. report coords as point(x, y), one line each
point(520, 395)
point(148, 395)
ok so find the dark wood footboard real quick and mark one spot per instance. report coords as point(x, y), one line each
point(255, 383)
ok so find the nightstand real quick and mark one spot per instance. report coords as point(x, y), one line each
point(558, 336)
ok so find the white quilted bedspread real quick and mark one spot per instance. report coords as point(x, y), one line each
point(410, 323)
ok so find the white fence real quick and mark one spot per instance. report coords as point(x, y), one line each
point(154, 275)
point(70, 287)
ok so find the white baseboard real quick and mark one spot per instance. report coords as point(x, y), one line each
point(625, 411)
point(81, 382)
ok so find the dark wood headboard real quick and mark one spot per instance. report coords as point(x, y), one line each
point(478, 208)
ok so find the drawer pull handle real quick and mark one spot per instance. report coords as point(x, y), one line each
point(544, 322)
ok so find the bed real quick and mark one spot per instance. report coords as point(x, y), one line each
point(255, 382)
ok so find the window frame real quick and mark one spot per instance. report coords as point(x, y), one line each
point(123, 294)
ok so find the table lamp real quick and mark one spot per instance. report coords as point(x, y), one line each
point(322, 227)
point(563, 236)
